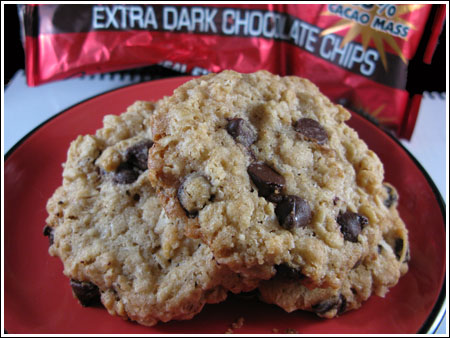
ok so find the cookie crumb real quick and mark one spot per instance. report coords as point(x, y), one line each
point(237, 324)
point(292, 331)
point(285, 331)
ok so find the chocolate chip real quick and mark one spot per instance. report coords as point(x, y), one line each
point(275, 198)
point(343, 304)
point(136, 197)
point(87, 293)
point(336, 200)
point(194, 193)
point(392, 196)
point(338, 302)
point(268, 181)
point(311, 129)
point(293, 212)
point(351, 225)
point(398, 247)
point(48, 231)
point(137, 154)
point(241, 131)
point(286, 271)
point(125, 174)
point(326, 305)
point(135, 163)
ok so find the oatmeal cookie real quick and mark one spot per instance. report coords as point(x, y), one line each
point(265, 171)
point(118, 247)
point(375, 274)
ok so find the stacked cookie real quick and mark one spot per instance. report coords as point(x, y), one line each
point(235, 182)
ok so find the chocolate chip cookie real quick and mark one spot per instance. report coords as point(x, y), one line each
point(266, 172)
point(117, 245)
point(374, 274)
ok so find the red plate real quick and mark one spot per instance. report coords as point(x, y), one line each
point(38, 298)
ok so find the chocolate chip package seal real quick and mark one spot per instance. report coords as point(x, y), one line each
point(358, 55)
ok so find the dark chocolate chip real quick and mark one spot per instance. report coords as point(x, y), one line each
point(137, 154)
point(136, 197)
point(293, 212)
point(125, 174)
point(275, 198)
point(343, 304)
point(241, 131)
point(48, 231)
point(286, 271)
point(267, 180)
point(338, 302)
point(398, 247)
point(351, 225)
point(312, 130)
point(194, 193)
point(135, 163)
point(326, 305)
point(392, 196)
point(336, 200)
point(87, 293)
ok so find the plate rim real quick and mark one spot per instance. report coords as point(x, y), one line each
point(433, 321)
point(43, 123)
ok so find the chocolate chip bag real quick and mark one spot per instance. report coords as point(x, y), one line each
point(357, 54)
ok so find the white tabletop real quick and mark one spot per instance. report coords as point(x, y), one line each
point(27, 107)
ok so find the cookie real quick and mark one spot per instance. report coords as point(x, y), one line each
point(375, 274)
point(265, 171)
point(117, 245)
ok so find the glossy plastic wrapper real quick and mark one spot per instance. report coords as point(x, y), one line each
point(358, 55)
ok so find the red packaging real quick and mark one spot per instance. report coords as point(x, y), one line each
point(357, 54)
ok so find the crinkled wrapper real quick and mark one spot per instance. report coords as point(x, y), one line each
point(357, 55)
